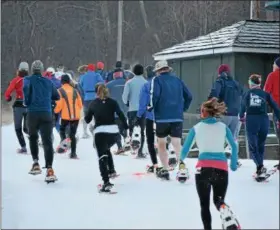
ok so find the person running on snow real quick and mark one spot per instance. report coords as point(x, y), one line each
point(70, 106)
point(88, 83)
point(117, 72)
point(19, 110)
point(130, 97)
point(149, 116)
point(257, 121)
point(228, 90)
point(272, 86)
point(100, 70)
point(39, 92)
point(115, 89)
point(169, 99)
point(212, 165)
point(103, 110)
point(59, 71)
point(82, 70)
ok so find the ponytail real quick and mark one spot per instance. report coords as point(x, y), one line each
point(102, 92)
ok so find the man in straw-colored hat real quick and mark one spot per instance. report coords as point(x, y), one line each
point(169, 99)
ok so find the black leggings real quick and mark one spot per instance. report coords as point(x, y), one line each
point(123, 132)
point(20, 114)
point(103, 143)
point(73, 126)
point(40, 121)
point(150, 134)
point(218, 180)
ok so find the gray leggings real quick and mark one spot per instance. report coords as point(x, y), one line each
point(19, 118)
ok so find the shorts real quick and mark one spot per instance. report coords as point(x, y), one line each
point(172, 129)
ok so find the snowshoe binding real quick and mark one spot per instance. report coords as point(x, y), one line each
point(183, 174)
point(64, 146)
point(163, 174)
point(106, 188)
point(229, 221)
point(35, 170)
point(50, 176)
point(264, 174)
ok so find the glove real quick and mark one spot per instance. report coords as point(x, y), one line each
point(149, 108)
point(8, 99)
point(233, 165)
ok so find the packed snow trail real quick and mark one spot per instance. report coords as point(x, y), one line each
point(142, 202)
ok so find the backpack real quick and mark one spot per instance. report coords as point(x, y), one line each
point(230, 93)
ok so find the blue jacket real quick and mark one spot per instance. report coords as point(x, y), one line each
point(102, 73)
point(116, 90)
point(226, 89)
point(56, 82)
point(255, 103)
point(88, 83)
point(39, 92)
point(144, 101)
point(169, 98)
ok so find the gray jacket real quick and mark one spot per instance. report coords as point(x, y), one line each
point(131, 93)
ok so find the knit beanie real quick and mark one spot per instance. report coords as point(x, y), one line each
point(65, 79)
point(91, 67)
point(138, 70)
point(100, 65)
point(37, 66)
point(23, 66)
point(118, 64)
point(223, 68)
point(277, 62)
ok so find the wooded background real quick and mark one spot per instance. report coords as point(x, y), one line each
point(81, 32)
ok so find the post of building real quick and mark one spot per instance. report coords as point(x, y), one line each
point(120, 24)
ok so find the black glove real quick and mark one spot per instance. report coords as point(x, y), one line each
point(9, 99)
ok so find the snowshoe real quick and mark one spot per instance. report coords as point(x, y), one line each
point(64, 146)
point(73, 156)
point(120, 152)
point(150, 169)
point(172, 162)
point(113, 175)
point(264, 176)
point(183, 174)
point(163, 174)
point(238, 164)
point(106, 188)
point(141, 156)
point(35, 170)
point(50, 177)
point(229, 221)
point(22, 151)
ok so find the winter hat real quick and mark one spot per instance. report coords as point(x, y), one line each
point(65, 79)
point(23, 66)
point(277, 62)
point(100, 65)
point(118, 64)
point(50, 70)
point(161, 65)
point(91, 67)
point(37, 66)
point(149, 71)
point(138, 69)
point(223, 68)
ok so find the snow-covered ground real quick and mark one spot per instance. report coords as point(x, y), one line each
point(142, 202)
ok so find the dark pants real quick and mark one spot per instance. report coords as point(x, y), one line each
point(205, 180)
point(257, 130)
point(20, 114)
point(277, 131)
point(103, 143)
point(73, 126)
point(132, 117)
point(41, 121)
point(150, 135)
point(123, 133)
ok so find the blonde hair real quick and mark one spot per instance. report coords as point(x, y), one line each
point(82, 69)
point(214, 108)
point(102, 91)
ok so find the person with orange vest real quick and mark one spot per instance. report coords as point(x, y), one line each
point(69, 106)
point(19, 109)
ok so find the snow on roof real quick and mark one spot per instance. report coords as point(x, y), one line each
point(245, 36)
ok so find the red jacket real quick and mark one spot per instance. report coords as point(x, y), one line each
point(15, 85)
point(272, 85)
